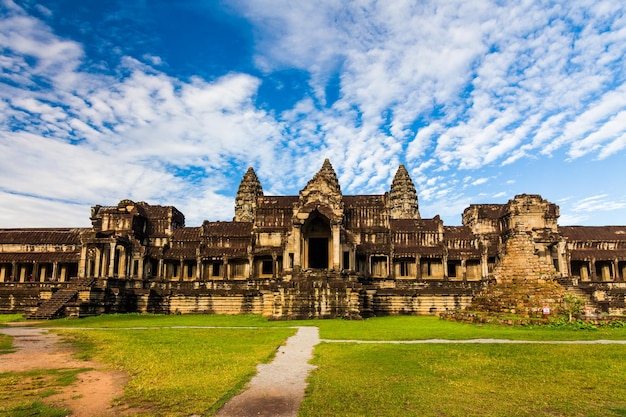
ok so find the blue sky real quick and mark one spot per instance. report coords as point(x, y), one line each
point(169, 102)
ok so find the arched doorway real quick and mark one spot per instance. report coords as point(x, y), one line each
point(317, 238)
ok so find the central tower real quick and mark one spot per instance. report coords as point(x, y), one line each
point(317, 220)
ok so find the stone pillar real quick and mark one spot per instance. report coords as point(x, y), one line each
point(97, 263)
point(297, 243)
point(592, 272)
point(199, 271)
point(418, 267)
point(616, 271)
point(121, 267)
point(484, 265)
point(159, 273)
point(14, 271)
point(3, 272)
point(22, 272)
point(336, 230)
point(274, 265)
point(464, 270)
point(111, 259)
point(82, 264)
point(55, 271)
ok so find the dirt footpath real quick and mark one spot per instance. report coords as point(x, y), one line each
point(95, 390)
point(278, 387)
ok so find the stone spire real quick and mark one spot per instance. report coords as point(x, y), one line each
point(402, 201)
point(245, 201)
point(324, 189)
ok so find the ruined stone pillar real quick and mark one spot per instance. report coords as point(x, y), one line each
point(336, 230)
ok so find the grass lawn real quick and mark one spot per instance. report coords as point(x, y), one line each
point(6, 318)
point(467, 380)
point(430, 327)
point(160, 320)
point(21, 392)
point(179, 371)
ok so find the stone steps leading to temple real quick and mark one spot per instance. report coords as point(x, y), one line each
point(54, 306)
point(51, 308)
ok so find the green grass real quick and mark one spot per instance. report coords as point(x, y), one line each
point(8, 318)
point(376, 328)
point(429, 327)
point(6, 344)
point(160, 320)
point(179, 372)
point(467, 380)
point(21, 393)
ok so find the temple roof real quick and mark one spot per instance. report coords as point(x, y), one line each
point(591, 233)
point(42, 236)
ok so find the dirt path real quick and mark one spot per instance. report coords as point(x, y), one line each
point(278, 388)
point(95, 390)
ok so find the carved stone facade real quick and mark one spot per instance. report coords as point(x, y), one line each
point(317, 254)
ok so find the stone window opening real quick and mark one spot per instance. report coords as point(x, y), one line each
point(266, 267)
point(452, 268)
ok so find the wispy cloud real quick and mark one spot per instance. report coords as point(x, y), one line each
point(597, 202)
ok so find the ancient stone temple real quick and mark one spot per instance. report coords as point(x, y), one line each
point(316, 254)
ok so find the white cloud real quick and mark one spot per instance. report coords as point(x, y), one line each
point(597, 203)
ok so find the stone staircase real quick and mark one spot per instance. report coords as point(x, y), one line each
point(55, 305)
point(589, 304)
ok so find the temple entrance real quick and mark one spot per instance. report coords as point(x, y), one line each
point(317, 238)
point(318, 252)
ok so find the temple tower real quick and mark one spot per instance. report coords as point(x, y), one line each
point(245, 201)
point(317, 221)
point(402, 201)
